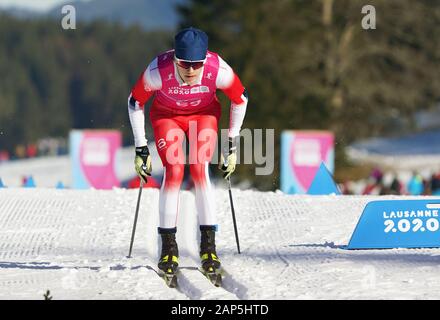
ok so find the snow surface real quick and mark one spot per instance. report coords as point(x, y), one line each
point(75, 242)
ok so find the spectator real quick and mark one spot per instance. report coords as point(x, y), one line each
point(4, 155)
point(435, 184)
point(374, 185)
point(377, 175)
point(31, 150)
point(415, 185)
point(395, 186)
point(345, 188)
point(20, 151)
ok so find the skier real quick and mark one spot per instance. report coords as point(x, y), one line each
point(183, 82)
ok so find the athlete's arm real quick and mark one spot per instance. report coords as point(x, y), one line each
point(230, 84)
point(148, 82)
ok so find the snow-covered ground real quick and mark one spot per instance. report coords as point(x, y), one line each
point(75, 243)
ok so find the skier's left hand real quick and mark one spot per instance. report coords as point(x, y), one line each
point(228, 159)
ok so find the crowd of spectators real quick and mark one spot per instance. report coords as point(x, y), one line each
point(43, 147)
point(415, 184)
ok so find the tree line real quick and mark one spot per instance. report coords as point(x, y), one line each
point(53, 80)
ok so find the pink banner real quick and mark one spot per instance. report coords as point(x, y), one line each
point(97, 152)
point(308, 150)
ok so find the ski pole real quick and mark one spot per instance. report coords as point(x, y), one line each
point(233, 216)
point(135, 217)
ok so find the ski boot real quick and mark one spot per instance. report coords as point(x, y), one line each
point(211, 265)
point(169, 258)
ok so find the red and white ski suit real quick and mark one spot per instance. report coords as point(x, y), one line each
point(178, 111)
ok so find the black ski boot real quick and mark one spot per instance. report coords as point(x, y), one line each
point(169, 258)
point(208, 255)
point(210, 261)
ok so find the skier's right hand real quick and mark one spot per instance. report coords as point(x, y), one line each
point(142, 162)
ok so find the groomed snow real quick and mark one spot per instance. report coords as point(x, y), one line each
point(75, 243)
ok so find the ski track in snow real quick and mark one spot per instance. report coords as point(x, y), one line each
point(75, 242)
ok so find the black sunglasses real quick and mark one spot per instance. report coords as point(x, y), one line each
point(188, 64)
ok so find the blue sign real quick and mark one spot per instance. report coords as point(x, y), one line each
point(323, 183)
point(59, 185)
point(30, 183)
point(398, 224)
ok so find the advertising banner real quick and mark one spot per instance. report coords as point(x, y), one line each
point(302, 153)
point(92, 154)
point(387, 224)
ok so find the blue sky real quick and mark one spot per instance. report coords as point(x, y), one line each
point(39, 5)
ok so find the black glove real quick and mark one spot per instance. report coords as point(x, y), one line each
point(228, 158)
point(142, 162)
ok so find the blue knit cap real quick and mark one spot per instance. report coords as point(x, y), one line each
point(191, 44)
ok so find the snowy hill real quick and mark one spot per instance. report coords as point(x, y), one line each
point(75, 242)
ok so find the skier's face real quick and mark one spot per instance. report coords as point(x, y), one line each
point(189, 72)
